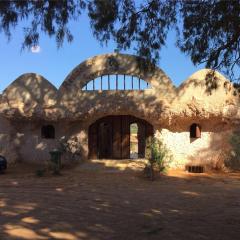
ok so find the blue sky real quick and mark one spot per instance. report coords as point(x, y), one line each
point(55, 64)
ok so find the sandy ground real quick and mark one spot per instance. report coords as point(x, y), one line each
point(101, 201)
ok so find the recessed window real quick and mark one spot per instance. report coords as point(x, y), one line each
point(48, 131)
point(195, 131)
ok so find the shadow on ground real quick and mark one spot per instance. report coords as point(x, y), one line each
point(108, 203)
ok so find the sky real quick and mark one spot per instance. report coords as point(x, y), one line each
point(55, 64)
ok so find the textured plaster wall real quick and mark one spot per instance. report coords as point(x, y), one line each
point(22, 141)
point(209, 150)
point(35, 149)
point(8, 142)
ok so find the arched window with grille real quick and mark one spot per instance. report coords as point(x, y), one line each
point(195, 131)
point(48, 132)
point(116, 82)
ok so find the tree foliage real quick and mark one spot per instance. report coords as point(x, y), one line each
point(50, 17)
point(211, 34)
point(206, 30)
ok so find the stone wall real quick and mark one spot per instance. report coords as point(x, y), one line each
point(210, 150)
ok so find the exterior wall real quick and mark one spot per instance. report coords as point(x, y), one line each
point(8, 141)
point(34, 148)
point(21, 141)
point(212, 149)
point(209, 150)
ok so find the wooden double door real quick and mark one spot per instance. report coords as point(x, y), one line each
point(109, 137)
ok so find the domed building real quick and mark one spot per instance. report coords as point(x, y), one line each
point(107, 97)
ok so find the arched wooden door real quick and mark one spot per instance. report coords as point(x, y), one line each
point(109, 137)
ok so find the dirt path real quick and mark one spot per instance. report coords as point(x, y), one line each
point(102, 205)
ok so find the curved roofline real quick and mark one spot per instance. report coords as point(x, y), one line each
point(130, 59)
point(31, 74)
point(204, 71)
point(75, 72)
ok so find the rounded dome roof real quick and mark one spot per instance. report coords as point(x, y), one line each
point(29, 93)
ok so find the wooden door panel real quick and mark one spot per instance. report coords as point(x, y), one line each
point(92, 142)
point(141, 139)
point(117, 138)
point(125, 137)
point(105, 138)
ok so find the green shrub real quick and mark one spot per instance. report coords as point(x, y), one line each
point(159, 157)
point(234, 158)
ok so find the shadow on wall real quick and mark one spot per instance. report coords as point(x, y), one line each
point(33, 96)
point(95, 104)
point(218, 155)
point(28, 96)
point(141, 104)
point(207, 92)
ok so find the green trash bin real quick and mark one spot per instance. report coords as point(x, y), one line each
point(56, 160)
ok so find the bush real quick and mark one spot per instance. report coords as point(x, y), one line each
point(234, 158)
point(159, 158)
point(71, 149)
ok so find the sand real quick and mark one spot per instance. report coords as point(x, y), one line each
point(101, 201)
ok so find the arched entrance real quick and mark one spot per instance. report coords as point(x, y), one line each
point(109, 137)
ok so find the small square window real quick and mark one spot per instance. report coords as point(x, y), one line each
point(48, 131)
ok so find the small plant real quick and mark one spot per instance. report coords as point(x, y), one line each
point(159, 158)
point(234, 158)
point(70, 148)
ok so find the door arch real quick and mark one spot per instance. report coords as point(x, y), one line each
point(109, 137)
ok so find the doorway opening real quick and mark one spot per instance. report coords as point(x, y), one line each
point(118, 137)
point(133, 141)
